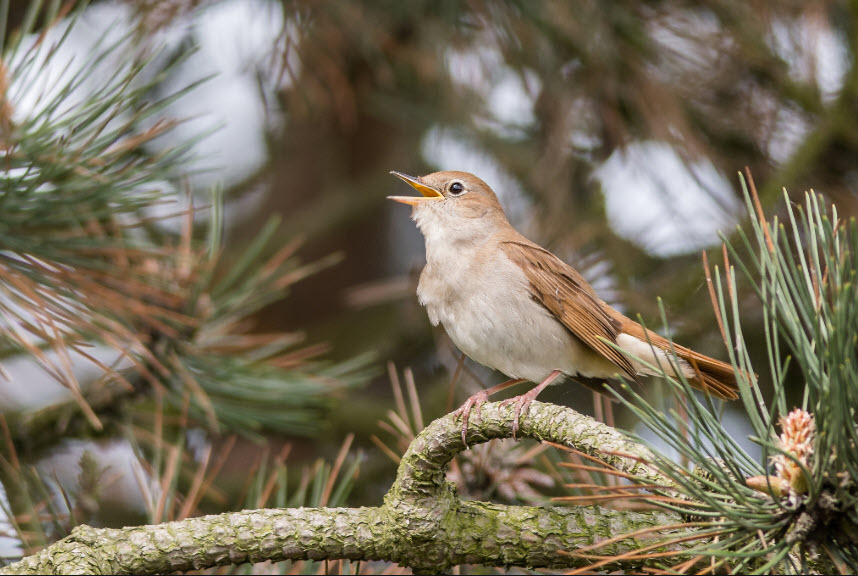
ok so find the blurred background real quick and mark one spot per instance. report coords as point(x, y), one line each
point(613, 134)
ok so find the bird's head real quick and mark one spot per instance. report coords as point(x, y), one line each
point(453, 205)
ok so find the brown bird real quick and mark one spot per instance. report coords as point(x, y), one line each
point(512, 305)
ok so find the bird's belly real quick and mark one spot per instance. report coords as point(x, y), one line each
point(516, 336)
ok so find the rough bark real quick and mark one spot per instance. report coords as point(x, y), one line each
point(422, 523)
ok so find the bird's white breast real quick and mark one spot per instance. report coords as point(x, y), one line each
point(482, 300)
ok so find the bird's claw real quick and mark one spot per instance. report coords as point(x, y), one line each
point(475, 403)
point(522, 406)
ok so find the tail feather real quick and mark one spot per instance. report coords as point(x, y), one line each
point(709, 375)
point(712, 376)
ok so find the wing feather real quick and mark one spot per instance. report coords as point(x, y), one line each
point(566, 295)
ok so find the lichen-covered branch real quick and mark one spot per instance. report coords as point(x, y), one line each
point(423, 466)
point(421, 524)
point(478, 533)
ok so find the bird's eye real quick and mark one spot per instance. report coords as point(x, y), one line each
point(456, 188)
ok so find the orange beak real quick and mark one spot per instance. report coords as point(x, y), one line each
point(428, 192)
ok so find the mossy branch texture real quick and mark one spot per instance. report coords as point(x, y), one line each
point(422, 522)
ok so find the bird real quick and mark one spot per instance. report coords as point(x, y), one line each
point(512, 305)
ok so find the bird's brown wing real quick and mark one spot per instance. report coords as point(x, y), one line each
point(566, 295)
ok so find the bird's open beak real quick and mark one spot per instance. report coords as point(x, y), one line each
point(428, 192)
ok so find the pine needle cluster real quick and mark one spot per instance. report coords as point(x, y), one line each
point(793, 510)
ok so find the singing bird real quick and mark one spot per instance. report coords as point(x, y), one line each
point(512, 305)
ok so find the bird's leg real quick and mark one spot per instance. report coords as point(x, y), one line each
point(477, 400)
point(522, 403)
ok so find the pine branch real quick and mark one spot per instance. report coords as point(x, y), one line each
point(422, 523)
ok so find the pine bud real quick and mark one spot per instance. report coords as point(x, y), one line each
point(796, 439)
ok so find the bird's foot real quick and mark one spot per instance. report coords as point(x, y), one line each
point(476, 402)
point(522, 402)
point(522, 405)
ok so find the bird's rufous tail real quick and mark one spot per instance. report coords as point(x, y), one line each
point(710, 375)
